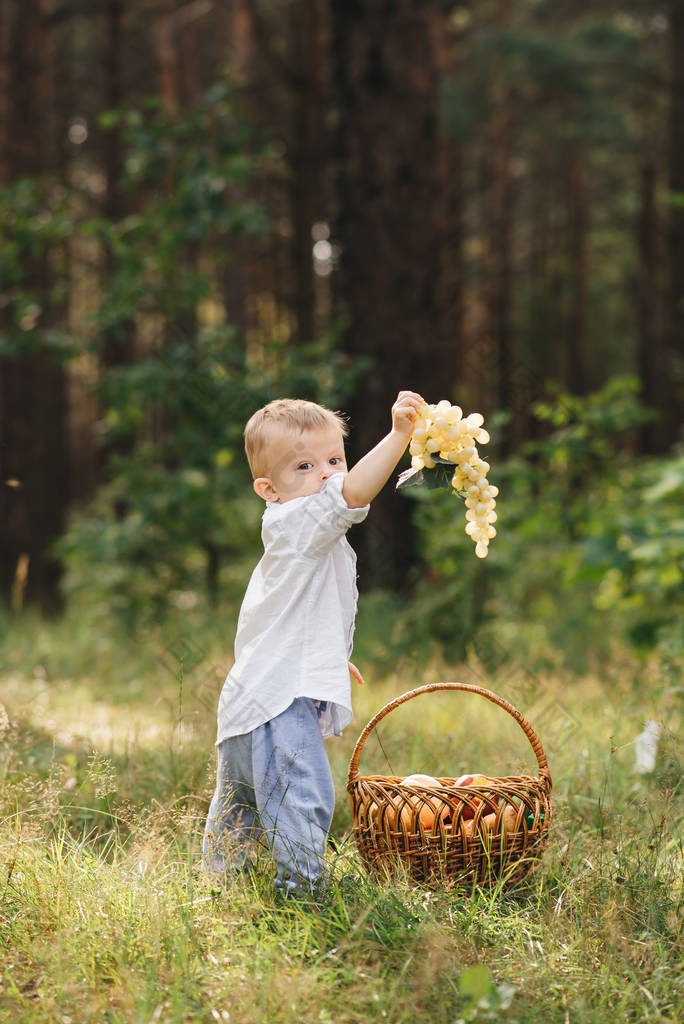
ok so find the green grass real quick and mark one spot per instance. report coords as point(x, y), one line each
point(106, 768)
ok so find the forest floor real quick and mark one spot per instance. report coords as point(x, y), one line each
point(106, 768)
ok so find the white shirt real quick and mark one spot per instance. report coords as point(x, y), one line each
point(296, 624)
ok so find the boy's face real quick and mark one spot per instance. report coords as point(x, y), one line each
point(301, 463)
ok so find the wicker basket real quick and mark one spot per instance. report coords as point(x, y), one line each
point(451, 835)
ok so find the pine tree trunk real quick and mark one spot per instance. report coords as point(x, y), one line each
point(168, 69)
point(578, 369)
point(649, 356)
point(541, 325)
point(387, 199)
point(118, 342)
point(672, 396)
point(450, 305)
point(306, 154)
point(500, 270)
point(7, 15)
point(234, 276)
point(34, 457)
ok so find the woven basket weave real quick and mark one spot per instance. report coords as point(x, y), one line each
point(451, 835)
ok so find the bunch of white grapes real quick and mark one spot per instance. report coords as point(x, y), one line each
point(442, 430)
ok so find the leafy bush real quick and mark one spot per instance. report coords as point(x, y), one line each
point(38, 219)
point(589, 545)
point(178, 508)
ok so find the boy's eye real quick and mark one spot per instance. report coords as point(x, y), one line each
point(304, 465)
point(335, 460)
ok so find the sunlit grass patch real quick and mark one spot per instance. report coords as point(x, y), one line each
point(106, 915)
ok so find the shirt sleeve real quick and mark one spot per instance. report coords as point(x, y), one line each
point(312, 525)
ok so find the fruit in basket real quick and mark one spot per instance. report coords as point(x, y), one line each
point(490, 800)
point(382, 815)
point(420, 780)
point(372, 814)
point(508, 820)
point(430, 811)
point(472, 780)
point(468, 826)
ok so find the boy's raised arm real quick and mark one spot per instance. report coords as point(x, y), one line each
point(371, 473)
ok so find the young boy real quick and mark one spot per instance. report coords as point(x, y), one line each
point(289, 687)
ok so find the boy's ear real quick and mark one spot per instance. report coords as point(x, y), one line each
point(265, 489)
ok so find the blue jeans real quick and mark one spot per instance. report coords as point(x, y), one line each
point(274, 782)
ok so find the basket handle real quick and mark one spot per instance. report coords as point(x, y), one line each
point(535, 742)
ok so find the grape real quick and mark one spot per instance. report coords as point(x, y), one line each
point(443, 431)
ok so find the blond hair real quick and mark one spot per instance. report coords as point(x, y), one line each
point(285, 415)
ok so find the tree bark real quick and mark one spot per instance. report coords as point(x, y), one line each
point(35, 477)
point(578, 370)
point(34, 458)
point(7, 15)
point(500, 271)
point(167, 57)
point(673, 391)
point(387, 198)
point(306, 153)
point(649, 341)
point(118, 342)
point(234, 275)
point(449, 285)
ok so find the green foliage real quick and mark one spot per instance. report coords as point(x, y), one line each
point(641, 556)
point(188, 172)
point(590, 543)
point(177, 502)
point(178, 505)
point(559, 86)
point(38, 218)
point(107, 914)
point(172, 420)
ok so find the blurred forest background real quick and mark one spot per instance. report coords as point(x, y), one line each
point(205, 205)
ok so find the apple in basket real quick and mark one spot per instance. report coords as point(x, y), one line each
point(487, 824)
point(508, 820)
point(428, 810)
point(476, 780)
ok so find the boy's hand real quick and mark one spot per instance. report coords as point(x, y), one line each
point(354, 672)
point(365, 479)
point(405, 412)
